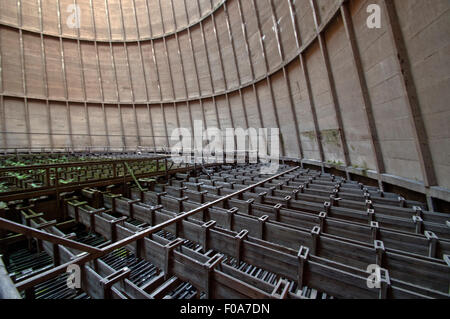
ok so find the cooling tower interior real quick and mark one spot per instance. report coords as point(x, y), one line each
point(224, 149)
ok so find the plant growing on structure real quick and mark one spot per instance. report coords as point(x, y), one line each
point(3, 188)
point(18, 175)
point(66, 181)
point(336, 164)
point(364, 169)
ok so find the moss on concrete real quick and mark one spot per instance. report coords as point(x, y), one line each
point(311, 135)
point(332, 137)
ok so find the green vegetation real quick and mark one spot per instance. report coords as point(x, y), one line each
point(17, 175)
point(66, 181)
point(336, 164)
point(310, 135)
point(17, 178)
point(3, 187)
point(364, 168)
point(331, 137)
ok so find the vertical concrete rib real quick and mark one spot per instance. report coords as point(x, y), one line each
point(83, 83)
point(367, 105)
point(63, 68)
point(99, 73)
point(286, 80)
point(193, 54)
point(130, 79)
point(141, 56)
point(213, 90)
point(312, 104)
point(304, 68)
point(244, 31)
point(146, 83)
point(230, 35)
point(331, 80)
point(195, 63)
point(409, 86)
point(219, 48)
point(263, 51)
point(113, 63)
point(183, 70)
point(207, 55)
point(233, 48)
point(166, 54)
point(155, 62)
point(45, 74)
point(24, 76)
point(2, 105)
point(247, 50)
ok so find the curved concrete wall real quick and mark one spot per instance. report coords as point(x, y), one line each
point(130, 20)
point(336, 88)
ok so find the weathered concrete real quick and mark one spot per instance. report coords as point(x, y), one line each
point(228, 54)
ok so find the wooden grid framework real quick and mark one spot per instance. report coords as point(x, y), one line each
point(322, 23)
point(276, 224)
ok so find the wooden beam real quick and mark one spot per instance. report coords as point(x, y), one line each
point(32, 232)
point(7, 288)
point(30, 282)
